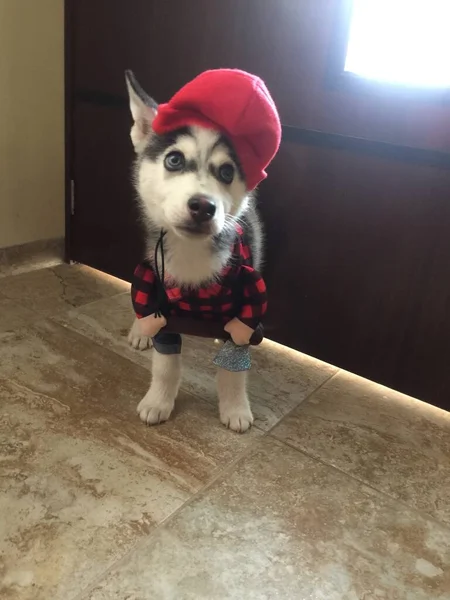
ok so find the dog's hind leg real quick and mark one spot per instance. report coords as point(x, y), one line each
point(234, 406)
point(158, 403)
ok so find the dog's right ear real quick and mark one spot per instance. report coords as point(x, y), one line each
point(143, 108)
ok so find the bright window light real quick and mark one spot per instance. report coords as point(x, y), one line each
point(401, 41)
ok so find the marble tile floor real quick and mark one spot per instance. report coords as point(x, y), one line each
point(341, 491)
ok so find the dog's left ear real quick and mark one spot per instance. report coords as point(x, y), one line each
point(143, 109)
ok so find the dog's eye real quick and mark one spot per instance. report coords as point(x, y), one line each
point(174, 161)
point(226, 173)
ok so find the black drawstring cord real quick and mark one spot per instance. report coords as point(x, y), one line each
point(160, 275)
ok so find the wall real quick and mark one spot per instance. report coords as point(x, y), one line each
point(31, 121)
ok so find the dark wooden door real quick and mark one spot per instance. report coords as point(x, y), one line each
point(357, 203)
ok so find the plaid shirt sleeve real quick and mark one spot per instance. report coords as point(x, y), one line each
point(255, 297)
point(143, 291)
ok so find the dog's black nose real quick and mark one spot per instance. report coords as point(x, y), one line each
point(202, 208)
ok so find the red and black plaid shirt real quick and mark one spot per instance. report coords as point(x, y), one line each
point(239, 292)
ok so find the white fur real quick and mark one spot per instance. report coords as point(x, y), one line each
point(234, 406)
point(158, 403)
point(190, 260)
point(164, 199)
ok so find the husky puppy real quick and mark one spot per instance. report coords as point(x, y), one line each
point(176, 175)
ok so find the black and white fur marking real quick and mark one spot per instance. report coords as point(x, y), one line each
point(194, 255)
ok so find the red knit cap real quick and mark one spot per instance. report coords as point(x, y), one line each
point(236, 103)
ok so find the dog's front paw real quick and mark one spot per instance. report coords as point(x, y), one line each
point(153, 410)
point(136, 339)
point(238, 419)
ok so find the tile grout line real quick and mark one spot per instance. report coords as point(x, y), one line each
point(11, 274)
point(305, 399)
point(54, 317)
point(382, 493)
point(54, 320)
point(105, 298)
point(219, 474)
point(270, 433)
point(67, 325)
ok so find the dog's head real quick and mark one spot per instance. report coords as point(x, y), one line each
point(190, 180)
